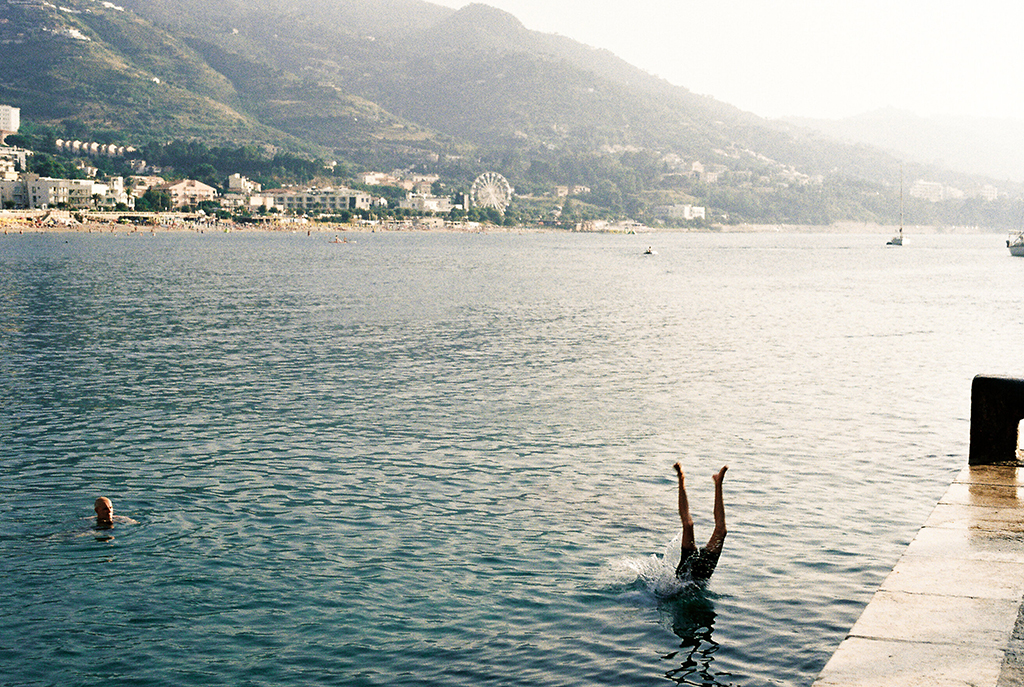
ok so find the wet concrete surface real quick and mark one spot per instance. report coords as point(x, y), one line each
point(950, 612)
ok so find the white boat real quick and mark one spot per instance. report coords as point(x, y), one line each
point(897, 240)
point(1016, 244)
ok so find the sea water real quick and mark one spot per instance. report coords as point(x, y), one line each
point(446, 459)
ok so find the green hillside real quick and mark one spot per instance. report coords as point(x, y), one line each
point(105, 69)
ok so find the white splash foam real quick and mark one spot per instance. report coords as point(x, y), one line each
point(655, 574)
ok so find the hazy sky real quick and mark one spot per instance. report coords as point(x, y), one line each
point(814, 58)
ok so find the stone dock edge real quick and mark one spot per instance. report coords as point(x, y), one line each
point(950, 612)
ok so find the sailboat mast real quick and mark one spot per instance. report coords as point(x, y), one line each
point(901, 201)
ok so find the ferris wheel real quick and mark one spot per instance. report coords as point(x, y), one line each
point(491, 190)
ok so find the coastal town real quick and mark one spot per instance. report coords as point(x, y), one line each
point(155, 196)
point(399, 199)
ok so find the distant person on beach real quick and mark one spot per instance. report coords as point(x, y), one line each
point(105, 517)
point(698, 564)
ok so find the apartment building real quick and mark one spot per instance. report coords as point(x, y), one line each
point(34, 191)
point(321, 199)
point(187, 192)
point(10, 120)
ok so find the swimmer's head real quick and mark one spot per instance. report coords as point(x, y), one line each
point(104, 511)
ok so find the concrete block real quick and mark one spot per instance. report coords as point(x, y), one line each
point(974, 543)
point(957, 577)
point(953, 515)
point(969, 622)
point(991, 474)
point(861, 662)
point(988, 495)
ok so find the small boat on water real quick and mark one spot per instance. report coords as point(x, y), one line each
point(1016, 244)
point(897, 240)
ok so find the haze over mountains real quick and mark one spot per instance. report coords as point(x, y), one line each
point(397, 83)
point(990, 147)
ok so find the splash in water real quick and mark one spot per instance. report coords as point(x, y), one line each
point(654, 574)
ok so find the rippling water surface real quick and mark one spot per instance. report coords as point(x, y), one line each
point(446, 459)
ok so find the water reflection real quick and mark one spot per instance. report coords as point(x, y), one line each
point(692, 619)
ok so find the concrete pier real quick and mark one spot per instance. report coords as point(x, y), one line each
point(950, 612)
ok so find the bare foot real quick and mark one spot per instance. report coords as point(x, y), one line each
point(720, 475)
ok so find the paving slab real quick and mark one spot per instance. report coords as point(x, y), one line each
point(925, 618)
point(862, 662)
point(993, 544)
point(950, 612)
point(976, 518)
point(957, 577)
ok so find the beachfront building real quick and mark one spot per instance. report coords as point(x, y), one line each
point(319, 199)
point(254, 202)
point(245, 194)
point(33, 191)
point(187, 192)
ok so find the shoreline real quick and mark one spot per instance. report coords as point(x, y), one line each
point(39, 221)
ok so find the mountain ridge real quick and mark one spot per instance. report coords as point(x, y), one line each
point(399, 83)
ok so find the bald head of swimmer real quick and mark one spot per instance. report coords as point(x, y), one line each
point(104, 512)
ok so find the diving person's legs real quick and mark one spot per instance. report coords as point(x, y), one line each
point(718, 536)
point(684, 513)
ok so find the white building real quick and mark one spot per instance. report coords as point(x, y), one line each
point(19, 155)
point(239, 184)
point(930, 190)
point(34, 191)
point(320, 199)
point(252, 201)
point(8, 170)
point(376, 179)
point(426, 203)
point(187, 192)
point(417, 183)
point(680, 212)
point(245, 193)
point(10, 120)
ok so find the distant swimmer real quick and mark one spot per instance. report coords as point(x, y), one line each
point(105, 517)
point(698, 564)
point(649, 251)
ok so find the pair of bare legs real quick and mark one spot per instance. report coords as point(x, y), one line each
point(718, 536)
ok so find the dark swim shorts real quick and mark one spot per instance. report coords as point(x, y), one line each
point(698, 564)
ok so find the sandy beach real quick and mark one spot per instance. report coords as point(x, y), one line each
point(57, 221)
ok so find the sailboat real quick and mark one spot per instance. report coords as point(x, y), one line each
point(897, 240)
point(1016, 244)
